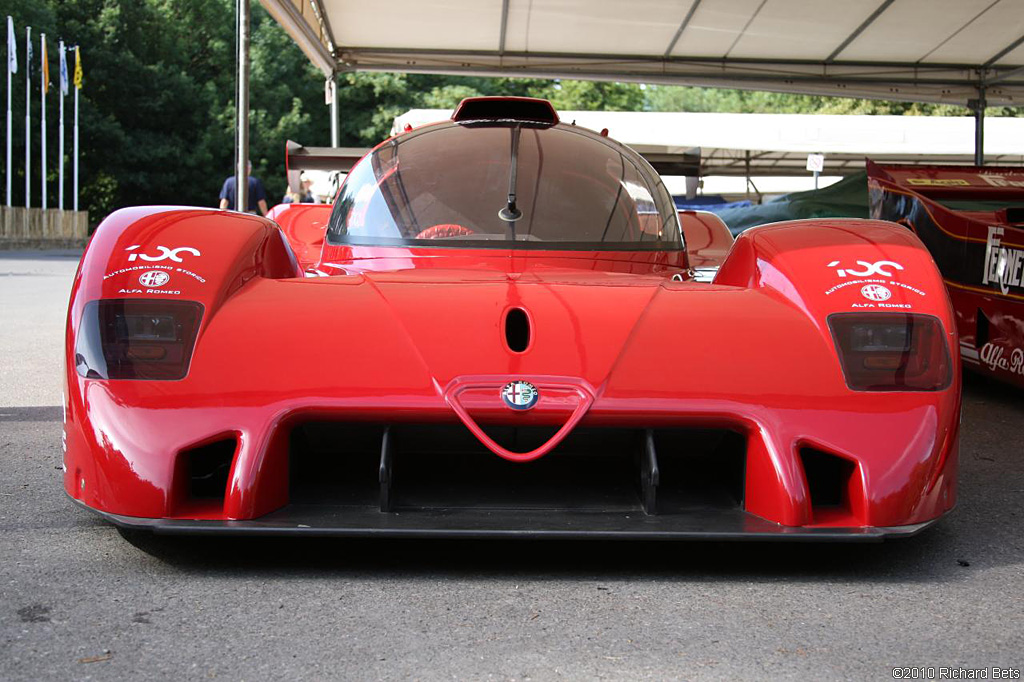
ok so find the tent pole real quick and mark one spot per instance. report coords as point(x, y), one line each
point(747, 166)
point(978, 105)
point(242, 110)
point(334, 110)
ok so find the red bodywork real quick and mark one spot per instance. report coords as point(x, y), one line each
point(620, 342)
point(979, 252)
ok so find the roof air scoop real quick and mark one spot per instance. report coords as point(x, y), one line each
point(528, 111)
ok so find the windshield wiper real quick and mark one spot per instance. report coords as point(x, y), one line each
point(510, 214)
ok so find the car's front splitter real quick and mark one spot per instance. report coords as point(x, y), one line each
point(337, 521)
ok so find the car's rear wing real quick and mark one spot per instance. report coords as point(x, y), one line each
point(332, 159)
point(954, 182)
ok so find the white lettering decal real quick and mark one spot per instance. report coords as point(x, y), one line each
point(165, 253)
point(996, 359)
point(1003, 264)
point(876, 268)
point(1000, 181)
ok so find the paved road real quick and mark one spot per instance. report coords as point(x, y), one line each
point(77, 601)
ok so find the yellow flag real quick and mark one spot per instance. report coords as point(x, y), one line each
point(46, 68)
point(78, 67)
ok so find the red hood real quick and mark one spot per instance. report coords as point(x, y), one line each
point(580, 320)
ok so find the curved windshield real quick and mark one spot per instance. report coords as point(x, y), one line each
point(506, 187)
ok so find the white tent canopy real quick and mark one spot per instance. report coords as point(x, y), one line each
point(915, 50)
point(968, 52)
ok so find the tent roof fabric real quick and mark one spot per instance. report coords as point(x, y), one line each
point(914, 50)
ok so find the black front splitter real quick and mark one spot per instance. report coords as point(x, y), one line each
point(338, 521)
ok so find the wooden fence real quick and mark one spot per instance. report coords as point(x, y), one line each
point(22, 227)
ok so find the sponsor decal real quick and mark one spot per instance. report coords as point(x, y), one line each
point(154, 278)
point(938, 182)
point(152, 268)
point(1000, 180)
point(166, 292)
point(165, 253)
point(1003, 265)
point(882, 267)
point(520, 395)
point(995, 358)
point(875, 292)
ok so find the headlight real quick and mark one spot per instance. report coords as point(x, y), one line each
point(137, 339)
point(892, 351)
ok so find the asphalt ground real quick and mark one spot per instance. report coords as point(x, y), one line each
point(79, 601)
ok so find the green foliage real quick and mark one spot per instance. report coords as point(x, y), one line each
point(158, 106)
point(675, 98)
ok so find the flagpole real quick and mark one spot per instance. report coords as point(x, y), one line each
point(74, 197)
point(28, 116)
point(60, 132)
point(42, 100)
point(10, 43)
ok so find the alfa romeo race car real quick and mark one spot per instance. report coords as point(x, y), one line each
point(497, 330)
point(972, 219)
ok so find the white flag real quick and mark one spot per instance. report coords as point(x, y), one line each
point(12, 46)
point(63, 71)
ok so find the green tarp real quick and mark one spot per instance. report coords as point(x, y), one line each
point(847, 198)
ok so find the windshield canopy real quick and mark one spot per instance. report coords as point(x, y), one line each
point(505, 186)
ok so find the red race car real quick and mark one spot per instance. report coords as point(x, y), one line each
point(972, 220)
point(501, 335)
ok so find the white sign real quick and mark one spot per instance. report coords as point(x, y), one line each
point(816, 162)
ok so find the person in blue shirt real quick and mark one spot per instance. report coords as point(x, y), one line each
point(257, 196)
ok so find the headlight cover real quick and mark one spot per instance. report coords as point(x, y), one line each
point(892, 351)
point(137, 339)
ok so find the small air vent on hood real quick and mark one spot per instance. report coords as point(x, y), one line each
point(517, 330)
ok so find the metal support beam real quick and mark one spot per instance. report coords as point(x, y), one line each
point(504, 26)
point(304, 35)
point(682, 27)
point(1006, 75)
point(746, 172)
point(1003, 52)
point(978, 106)
point(860, 29)
point(242, 109)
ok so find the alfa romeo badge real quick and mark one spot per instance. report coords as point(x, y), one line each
point(520, 395)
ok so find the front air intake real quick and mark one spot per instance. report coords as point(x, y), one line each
point(201, 477)
point(430, 469)
point(208, 468)
point(834, 488)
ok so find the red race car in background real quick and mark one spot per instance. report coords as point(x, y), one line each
point(972, 220)
point(498, 330)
